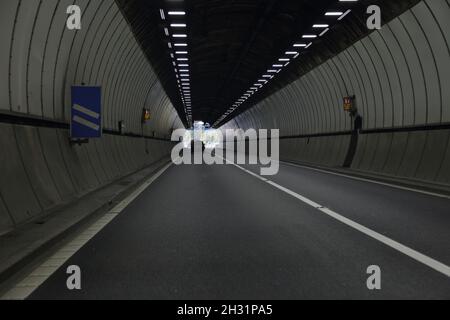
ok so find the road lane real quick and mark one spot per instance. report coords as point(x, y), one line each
point(417, 220)
point(214, 232)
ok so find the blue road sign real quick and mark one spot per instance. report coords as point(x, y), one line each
point(86, 117)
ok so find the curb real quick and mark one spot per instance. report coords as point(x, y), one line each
point(8, 272)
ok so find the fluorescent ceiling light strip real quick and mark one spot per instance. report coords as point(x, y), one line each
point(177, 13)
point(319, 26)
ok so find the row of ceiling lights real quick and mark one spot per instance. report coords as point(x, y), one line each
point(286, 60)
point(175, 30)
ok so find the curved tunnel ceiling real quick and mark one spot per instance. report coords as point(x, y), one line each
point(232, 43)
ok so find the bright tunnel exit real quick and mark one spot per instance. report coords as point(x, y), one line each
point(201, 131)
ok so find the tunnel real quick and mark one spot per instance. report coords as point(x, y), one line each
point(326, 124)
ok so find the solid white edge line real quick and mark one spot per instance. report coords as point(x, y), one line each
point(430, 262)
point(428, 193)
point(45, 270)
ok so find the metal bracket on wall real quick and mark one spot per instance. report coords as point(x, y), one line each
point(78, 142)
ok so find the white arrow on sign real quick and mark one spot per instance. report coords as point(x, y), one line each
point(83, 121)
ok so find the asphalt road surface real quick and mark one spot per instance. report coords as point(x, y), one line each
point(217, 232)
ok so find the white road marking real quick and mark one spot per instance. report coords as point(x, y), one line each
point(430, 262)
point(39, 275)
point(428, 193)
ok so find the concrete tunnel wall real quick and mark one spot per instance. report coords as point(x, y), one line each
point(40, 59)
point(400, 76)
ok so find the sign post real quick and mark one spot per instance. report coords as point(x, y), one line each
point(86, 117)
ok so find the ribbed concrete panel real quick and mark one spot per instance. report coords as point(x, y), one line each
point(7, 17)
point(74, 171)
point(52, 108)
point(413, 154)
point(440, 24)
point(105, 74)
point(15, 185)
point(47, 59)
point(399, 76)
point(396, 153)
point(433, 155)
point(383, 148)
point(22, 38)
point(37, 170)
point(36, 53)
point(58, 169)
point(444, 171)
point(40, 60)
point(94, 159)
point(107, 158)
point(6, 222)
